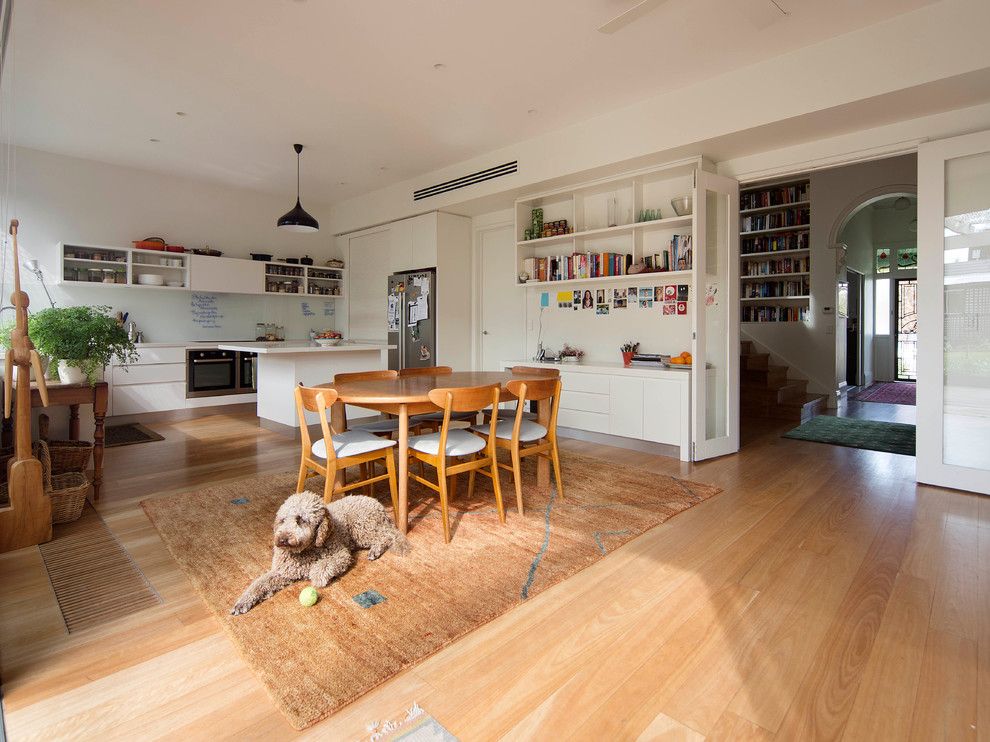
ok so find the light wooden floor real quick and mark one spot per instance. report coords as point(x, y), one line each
point(822, 595)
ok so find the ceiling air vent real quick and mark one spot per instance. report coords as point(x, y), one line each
point(465, 180)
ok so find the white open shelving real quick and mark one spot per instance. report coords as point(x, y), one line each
point(586, 209)
point(120, 267)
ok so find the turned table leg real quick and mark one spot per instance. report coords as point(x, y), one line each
point(100, 399)
point(73, 422)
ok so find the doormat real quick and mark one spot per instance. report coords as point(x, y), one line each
point(892, 392)
point(128, 434)
point(871, 435)
point(313, 660)
point(94, 578)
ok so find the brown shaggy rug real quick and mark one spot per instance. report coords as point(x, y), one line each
point(387, 615)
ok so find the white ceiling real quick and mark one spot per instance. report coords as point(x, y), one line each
point(355, 81)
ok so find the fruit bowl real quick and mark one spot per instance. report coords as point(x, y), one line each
point(328, 342)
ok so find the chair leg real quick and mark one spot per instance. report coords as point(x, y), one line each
point(392, 489)
point(517, 477)
point(498, 490)
point(303, 471)
point(452, 487)
point(328, 487)
point(442, 483)
point(369, 489)
point(555, 457)
point(471, 482)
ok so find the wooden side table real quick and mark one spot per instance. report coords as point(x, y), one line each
point(71, 396)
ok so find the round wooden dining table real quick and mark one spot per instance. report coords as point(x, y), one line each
point(409, 395)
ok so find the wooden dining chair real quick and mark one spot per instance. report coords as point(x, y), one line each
point(509, 410)
point(335, 452)
point(386, 427)
point(474, 453)
point(523, 437)
point(432, 420)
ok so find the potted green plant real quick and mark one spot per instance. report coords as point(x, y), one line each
point(82, 340)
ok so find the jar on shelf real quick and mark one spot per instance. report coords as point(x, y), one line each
point(120, 276)
point(108, 275)
point(70, 274)
point(94, 275)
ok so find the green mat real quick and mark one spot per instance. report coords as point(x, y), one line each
point(848, 431)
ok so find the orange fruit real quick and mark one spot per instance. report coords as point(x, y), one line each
point(685, 354)
point(677, 361)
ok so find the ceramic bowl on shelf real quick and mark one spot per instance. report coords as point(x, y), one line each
point(175, 284)
point(328, 342)
point(150, 279)
point(683, 205)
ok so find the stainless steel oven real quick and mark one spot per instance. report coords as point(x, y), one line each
point(211, 372)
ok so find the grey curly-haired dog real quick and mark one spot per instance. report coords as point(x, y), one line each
point(316, 540)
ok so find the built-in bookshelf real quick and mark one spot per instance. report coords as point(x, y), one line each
point(597, 231)
point(775, 251)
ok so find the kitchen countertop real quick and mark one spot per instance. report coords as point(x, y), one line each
point(301, 346)
point(616, 368)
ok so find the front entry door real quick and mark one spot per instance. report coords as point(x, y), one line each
point(954, 312)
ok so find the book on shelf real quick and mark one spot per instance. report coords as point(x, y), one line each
point(774, 242)
point(774, 314)
point(793, 217)
point(577, 266)
point(778, 267)
point(677, 256)
point(776, 288)
point(773, 196)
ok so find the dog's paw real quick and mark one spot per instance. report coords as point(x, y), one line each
point(241, 607)
point(372, 556)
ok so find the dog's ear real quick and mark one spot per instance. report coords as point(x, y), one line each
point(322, 533)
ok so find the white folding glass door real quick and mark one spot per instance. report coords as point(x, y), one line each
point(715, 293)
point(953, 447)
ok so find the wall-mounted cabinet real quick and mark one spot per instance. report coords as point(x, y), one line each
point(152, 269)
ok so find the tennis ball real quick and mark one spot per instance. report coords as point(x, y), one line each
point(309, 596)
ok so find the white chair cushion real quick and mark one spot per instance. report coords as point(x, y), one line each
point(352, 443)
point(379, 426)
point(528, 430)
point(459, 443)
point(437, 417)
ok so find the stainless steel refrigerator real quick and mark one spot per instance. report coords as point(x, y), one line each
point(412, 319)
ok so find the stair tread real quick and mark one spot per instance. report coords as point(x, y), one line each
point(803, 400)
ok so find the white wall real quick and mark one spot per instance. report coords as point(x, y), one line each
point(66, 199)
point(891, 56)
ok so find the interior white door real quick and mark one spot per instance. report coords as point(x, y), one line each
point(953, 436)
point(715, 317)
point(503, 304)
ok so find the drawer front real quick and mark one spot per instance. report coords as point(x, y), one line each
point(584, 401)
point(626, 407)
point(662, 405)
point(592, 383)
point(161, 355)
point(592, 421)
point(131, 400)
point(152, 374)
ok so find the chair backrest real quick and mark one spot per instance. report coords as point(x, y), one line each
point(466, 399)
point(534, 371)
point(535, 390)
point(319, 400)
point(365, 376)
point(427, 371)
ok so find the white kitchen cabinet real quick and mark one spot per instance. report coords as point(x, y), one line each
point(400, 246)
point(156, 397)
point(227, 275)
point(150, 374)
point(625, 415)
point(423, 252)
point(663, 410)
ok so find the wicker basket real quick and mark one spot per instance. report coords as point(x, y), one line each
point(66, 456)
point(67, 491)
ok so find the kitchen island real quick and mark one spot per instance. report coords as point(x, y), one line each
point(284, 365)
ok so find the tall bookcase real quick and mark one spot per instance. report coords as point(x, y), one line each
point(775, 251)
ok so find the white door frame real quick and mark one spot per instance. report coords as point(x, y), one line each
point(500, 220)
point(931, 467)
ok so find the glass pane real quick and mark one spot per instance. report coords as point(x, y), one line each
point(966, 419)
point(883, 260)
point(907, 329)
point(881, 325)
point(716, 313)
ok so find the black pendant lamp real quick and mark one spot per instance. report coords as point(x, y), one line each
point(298, 219)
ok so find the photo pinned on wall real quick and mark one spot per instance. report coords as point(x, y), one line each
point(577, 299)
point(682, 292)
point(588, 301)
point(632, 293)
point(669, 309)
point(564, 299)
point(711, 295)
point(645, 297)
point(682, 307)
point(601, 309)
point(657, 294)
point(670, 292)
point(600, 296)
point(618, 298)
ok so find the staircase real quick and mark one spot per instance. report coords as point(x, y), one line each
point(766, 392)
